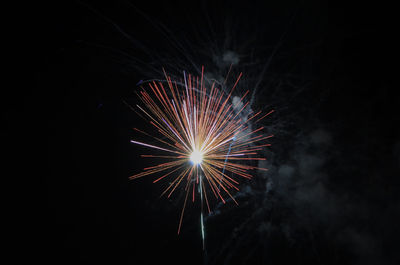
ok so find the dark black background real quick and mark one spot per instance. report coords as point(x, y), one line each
point(72, 202)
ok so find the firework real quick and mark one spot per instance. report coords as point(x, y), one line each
point(208, 143)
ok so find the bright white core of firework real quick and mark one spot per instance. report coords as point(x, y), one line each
point(196, 157)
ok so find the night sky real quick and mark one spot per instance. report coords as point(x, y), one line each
point(331, 195)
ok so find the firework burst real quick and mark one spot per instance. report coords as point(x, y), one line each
point(208, 145)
